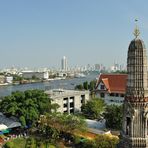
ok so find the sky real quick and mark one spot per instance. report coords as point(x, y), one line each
point(38, 33)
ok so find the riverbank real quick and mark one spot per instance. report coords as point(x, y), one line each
point(32, 81)
point(68, 83)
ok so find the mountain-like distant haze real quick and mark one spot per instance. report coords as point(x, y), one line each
point(38, 33)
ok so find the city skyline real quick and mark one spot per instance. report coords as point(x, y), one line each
point(37, 34)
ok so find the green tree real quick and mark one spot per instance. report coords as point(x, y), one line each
point(92, 85)
point(54, 124)
point(9, 145)
point(55, 107)
point(79, 87)
point(85, 85)
point(94, 108)
point(113, 116)
point(26, 106)
point(23, 121)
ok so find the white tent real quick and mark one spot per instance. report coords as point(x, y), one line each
point(3, 127)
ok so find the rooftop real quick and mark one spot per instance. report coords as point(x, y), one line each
point(56, 93)
point(9, 122)
point(115, 83)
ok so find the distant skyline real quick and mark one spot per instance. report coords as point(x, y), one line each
point(38, 33)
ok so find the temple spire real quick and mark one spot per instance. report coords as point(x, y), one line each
point(134, 132)
point(136, 30)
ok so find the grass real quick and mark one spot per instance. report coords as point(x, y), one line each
point(18, 143)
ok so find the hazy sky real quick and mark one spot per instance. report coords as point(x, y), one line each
point(38, 33)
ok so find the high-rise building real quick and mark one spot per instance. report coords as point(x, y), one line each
point(64, 64)
point(135, 115)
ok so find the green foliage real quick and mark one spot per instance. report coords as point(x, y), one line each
point(79, 87)
point(94, 108)
point(31, 142)
point(52, 125)
point(9, 145)
point(84, 143)
point(113, 116)
point(51, 146)
point(26, 106)
point(23, 121)
point(28, 143)
point(55, 107)
point(92, 85)
point(101, 141)
point(106, 141)
point(86, 85)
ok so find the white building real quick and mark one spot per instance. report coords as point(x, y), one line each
point(64, 64)
point(70, 101)
point(9, 79)
point(111, 88)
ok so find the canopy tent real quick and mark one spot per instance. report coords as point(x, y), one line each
point(6, 131)
point(11, 122)
point(3, 127)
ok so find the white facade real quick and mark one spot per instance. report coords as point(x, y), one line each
point(64, 64)
point(70, 101)
point(9, 79)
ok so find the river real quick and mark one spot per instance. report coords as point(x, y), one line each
point(65, 84)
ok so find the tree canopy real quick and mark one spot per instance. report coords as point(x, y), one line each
point(86, 85)
point(113, 116)
point(27, 106)
point(94, 108)
point(56, 124)
point(63, 122)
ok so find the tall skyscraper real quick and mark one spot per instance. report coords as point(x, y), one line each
point(135, 118)
point(64, 64)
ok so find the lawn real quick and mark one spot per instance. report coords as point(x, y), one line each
point(16, 143)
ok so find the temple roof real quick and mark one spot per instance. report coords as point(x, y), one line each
point(115, 83)
point(137, 44)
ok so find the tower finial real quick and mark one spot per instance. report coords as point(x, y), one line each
point(136, 30)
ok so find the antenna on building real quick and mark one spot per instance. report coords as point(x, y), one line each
point(136, 30)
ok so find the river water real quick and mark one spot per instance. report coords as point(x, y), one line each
point(55, 84)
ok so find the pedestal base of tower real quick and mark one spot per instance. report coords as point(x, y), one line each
point(133, 143)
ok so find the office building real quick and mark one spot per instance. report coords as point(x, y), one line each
point(64, 64)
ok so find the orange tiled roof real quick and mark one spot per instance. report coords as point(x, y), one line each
point(115, 83)
point(105, 81)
